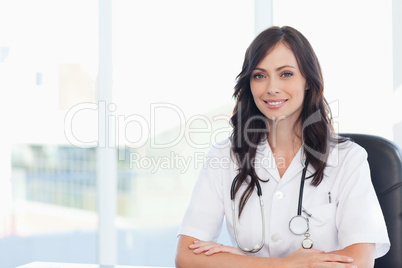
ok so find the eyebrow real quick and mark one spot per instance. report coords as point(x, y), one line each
point(277, 69)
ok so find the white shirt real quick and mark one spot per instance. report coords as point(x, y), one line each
point(353, 215)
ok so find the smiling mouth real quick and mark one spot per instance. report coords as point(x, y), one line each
point(274, 102)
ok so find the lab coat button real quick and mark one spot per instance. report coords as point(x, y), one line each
point(275, 238)
point(278, 195)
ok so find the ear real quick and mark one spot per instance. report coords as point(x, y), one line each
point(307, 87)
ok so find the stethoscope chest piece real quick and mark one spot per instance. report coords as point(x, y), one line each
point(307, 243)
point(299, 225)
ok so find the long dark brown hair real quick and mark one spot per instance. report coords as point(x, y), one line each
point(250, 126)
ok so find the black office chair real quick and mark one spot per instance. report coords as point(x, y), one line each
point(385, 160)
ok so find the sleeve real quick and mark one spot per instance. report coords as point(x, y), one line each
point(359, 216)
point(204, 216)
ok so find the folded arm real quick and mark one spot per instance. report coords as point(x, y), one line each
point(363, 254)
point(194, 254)
point(186, 257)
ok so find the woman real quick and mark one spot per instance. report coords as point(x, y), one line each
point(282, 137)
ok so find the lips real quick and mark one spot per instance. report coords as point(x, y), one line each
point(275, 104)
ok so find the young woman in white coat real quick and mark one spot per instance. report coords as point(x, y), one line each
point(292, 192)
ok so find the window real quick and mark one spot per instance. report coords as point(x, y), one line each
point(174, 67)
point(48, 64)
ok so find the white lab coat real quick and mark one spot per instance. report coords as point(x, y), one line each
point(353, 215)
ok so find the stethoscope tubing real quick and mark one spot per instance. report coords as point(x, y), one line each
point(303, 178)
point(259, 193)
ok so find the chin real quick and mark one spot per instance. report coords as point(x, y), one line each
point(275, 117)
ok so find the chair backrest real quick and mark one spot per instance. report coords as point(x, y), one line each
point(385, 160)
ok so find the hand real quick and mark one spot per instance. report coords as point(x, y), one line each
point(317, 258)
point(210, 248)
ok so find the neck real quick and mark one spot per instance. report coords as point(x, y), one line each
point(284, 143)
point(284, 137)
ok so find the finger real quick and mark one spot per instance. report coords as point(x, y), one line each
point(225, 249)
point(198, 244)
point(203, 243)
point(334, 265)
point(217, 249)
point(203, 247)
point(337, 258)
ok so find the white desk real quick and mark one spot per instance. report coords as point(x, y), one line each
point(76, 265)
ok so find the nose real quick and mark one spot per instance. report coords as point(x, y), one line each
point(272, 88)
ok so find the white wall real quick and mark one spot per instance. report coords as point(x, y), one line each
point(353, 41)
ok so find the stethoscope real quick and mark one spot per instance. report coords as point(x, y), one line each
point(298, 225)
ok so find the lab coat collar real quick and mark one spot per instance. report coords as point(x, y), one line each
point(265, 159)
point(295, 167)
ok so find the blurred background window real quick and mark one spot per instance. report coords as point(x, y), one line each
point(174, 64)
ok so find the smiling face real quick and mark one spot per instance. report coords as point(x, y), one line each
point(277, 85)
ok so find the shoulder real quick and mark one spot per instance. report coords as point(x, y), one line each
point(350, 148)
point(219, 155)
point(220, 148)
point(346, 153)
point(224, 147)
point(348, 165)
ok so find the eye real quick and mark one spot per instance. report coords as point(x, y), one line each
point(258, 76)
point(286, 74)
